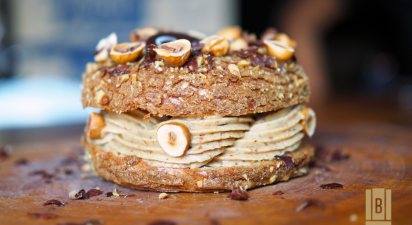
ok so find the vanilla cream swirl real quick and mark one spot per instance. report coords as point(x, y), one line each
point(215, 141)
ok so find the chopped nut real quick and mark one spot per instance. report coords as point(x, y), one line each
point(118, 193)
point(95, 124)
point(243, 63)
point(216, 45)
point(273, 178)
point(281, 96)
point(271, 169)
point(162, 196)
point(134, 77)
point(123, 79)
point(200, 183)
point(101, 97)
point(234, 70)
point(245, 176)
point(200, 60)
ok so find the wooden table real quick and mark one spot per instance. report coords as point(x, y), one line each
point(380, 156)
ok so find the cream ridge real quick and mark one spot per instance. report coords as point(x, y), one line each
point(215, 141)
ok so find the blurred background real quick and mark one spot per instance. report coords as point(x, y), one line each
point(357, 53)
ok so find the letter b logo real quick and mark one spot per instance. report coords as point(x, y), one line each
point(378, 206)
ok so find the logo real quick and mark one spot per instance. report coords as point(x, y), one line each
point(378, 206)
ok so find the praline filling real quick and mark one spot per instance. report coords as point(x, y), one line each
point(215, 141)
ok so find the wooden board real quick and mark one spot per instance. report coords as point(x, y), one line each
point(380, 156)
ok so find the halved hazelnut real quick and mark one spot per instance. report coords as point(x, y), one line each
point(174, 53)
point(309, 122)
point(143, 34)
point(279, 49)
point(127, 52)
point(238, 44)
point(95, 124)
point(231, 33)
point(282, 37)
point(174, 138)
point(103, 47)
point(217, 45)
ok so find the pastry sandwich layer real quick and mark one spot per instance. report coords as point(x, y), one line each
point(197, 113)
point(215, 141)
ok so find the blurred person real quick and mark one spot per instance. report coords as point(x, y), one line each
point(306, 21)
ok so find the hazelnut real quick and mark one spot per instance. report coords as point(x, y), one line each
point(284, 38)
point(127, 52)
point(174, 138)
point(234, 70)
point(101, 97)
point(279, 49)
point(103, 47)
point(216, 45)
point(231, 33)
point(95, 124)
point(174, 53)
point(238, 44)
point(143, 34)
point(309, 122)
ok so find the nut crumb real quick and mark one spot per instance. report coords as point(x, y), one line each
point(101, 97)
point(234, 70)
point(162, 196)
point(243, 63)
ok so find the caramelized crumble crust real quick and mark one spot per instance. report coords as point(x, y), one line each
point(131, 171)
point(195, 90)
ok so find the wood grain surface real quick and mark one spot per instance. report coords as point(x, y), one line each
point(380, 156)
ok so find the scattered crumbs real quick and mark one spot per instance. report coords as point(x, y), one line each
point(238, 194)
point(162, 196)
point(331, 186)
point(54, 202)
point(278, 193)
